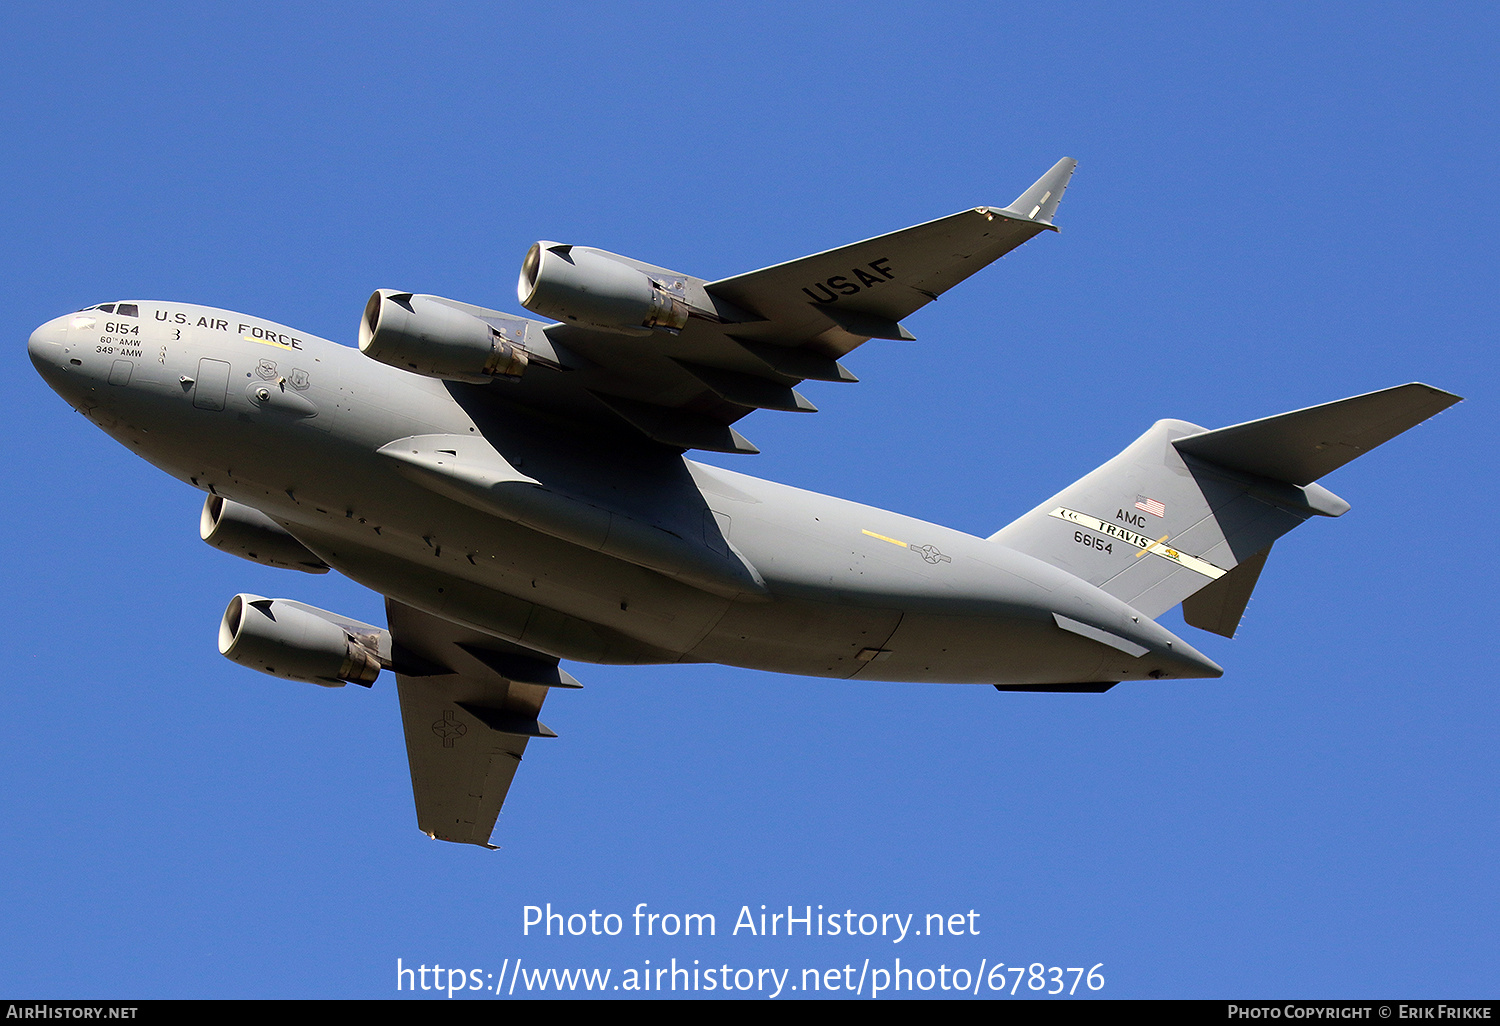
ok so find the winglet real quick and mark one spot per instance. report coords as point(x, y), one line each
point(1039, 202)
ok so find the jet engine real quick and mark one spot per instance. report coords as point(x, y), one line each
point(591, 287)
point(301, 642)
point(246, 532)
point(425, 335)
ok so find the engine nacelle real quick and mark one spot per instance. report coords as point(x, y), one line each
point(588, 286)
point(301, 642)
point(427, 336)
point(246, 532)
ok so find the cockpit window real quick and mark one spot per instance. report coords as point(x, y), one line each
point(118, 309)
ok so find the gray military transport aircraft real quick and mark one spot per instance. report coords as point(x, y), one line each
point(517, 490)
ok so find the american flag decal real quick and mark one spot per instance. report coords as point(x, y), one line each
point(1152, 506)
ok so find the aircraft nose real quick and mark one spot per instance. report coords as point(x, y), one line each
point(46, 347)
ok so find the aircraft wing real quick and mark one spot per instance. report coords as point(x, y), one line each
point(469, 705)
point(867, 287)
point(753, 337)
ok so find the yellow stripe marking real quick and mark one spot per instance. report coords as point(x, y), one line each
point(1182, 559)
point(883, 538)
point(1153, 545)
point(266, 342)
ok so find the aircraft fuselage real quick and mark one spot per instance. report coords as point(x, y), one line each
point(622, 552)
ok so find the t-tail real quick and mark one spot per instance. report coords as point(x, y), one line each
point(1189, 515)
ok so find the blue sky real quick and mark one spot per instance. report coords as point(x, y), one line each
point(1276, 205)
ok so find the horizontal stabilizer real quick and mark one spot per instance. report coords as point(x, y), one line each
point(1301, 446)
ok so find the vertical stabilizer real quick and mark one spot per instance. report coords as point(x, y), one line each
point(1188, 513)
